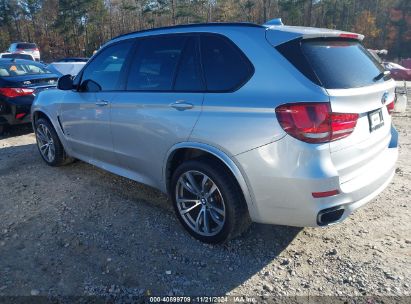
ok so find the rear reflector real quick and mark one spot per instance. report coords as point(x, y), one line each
point(390, 107)
point(325, 194)
point(20, 115)
point(314, 122)
point(15, 92)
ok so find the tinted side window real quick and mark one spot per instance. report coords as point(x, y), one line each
point(155, 63)
point(188, 77)
point(225, 67)
point(105, 71)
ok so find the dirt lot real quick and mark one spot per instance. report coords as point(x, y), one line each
point(78, 230)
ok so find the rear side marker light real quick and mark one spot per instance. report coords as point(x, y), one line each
point(314, 122)
point(390, 107)
point(325, 194)
point(15, 92)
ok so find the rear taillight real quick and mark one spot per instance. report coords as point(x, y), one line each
point(314, 122)
point(390, 107)
point(15, 92)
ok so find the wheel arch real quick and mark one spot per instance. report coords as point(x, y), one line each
point(189, 150)
point(38, 113)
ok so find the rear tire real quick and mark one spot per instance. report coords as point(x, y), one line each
point(49, 144)
point(2, 127)
point(208, 201)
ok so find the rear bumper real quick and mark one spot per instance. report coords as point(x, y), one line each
point(283, 175)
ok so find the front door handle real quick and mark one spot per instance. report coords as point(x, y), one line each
point(101, 103)
point(181, 105)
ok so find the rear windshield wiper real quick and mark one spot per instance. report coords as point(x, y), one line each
point(381, 75)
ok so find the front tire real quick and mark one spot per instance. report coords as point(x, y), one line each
point(208, 201)
point(49, 144)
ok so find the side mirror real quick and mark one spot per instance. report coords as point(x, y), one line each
point(65, 82)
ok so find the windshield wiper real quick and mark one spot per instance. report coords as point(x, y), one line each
point(381, 75)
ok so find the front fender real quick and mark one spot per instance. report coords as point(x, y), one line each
point(47, 104)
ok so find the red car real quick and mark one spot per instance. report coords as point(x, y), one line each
point(398, 72)
point(406, 63)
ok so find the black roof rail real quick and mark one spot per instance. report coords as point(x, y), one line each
point(240, 24)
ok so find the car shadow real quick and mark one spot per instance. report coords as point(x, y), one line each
point(17, 130)
point(79, 230)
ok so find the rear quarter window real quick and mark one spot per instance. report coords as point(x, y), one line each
point(225, 67)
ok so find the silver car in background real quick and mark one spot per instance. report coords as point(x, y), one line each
point(235, 122)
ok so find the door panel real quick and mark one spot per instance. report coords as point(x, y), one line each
point(149, 118)
point(145, 126)
point(86, 124)
point(85, 113)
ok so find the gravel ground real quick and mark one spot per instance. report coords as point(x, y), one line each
point(78, 230)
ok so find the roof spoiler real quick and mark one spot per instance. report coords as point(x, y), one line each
point(281, 33)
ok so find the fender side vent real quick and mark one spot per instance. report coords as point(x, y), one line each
point(61, 126)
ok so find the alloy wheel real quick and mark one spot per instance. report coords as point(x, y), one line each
point(200, 203)
point(45, 143)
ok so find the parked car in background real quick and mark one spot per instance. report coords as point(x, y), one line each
point(20, 81)
point(377, 54)
point(236, 122)
point(406, 63)
point(73, 59)
point(64, 68)
point(25, 47)
point(17, 56)
point(397, 71)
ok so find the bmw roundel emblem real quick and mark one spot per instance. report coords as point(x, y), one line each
point(384, 98)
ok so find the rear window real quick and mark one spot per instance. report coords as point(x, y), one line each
point(26, 46)
point(17, 55)
point(12, 69)
point(334, 64)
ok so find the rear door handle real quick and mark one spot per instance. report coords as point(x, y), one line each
point(181, 105)
point(101, 103)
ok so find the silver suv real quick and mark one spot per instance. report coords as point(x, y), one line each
point(235, 122)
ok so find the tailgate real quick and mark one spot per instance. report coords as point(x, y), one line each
point(355, 83)
point(357, 153)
